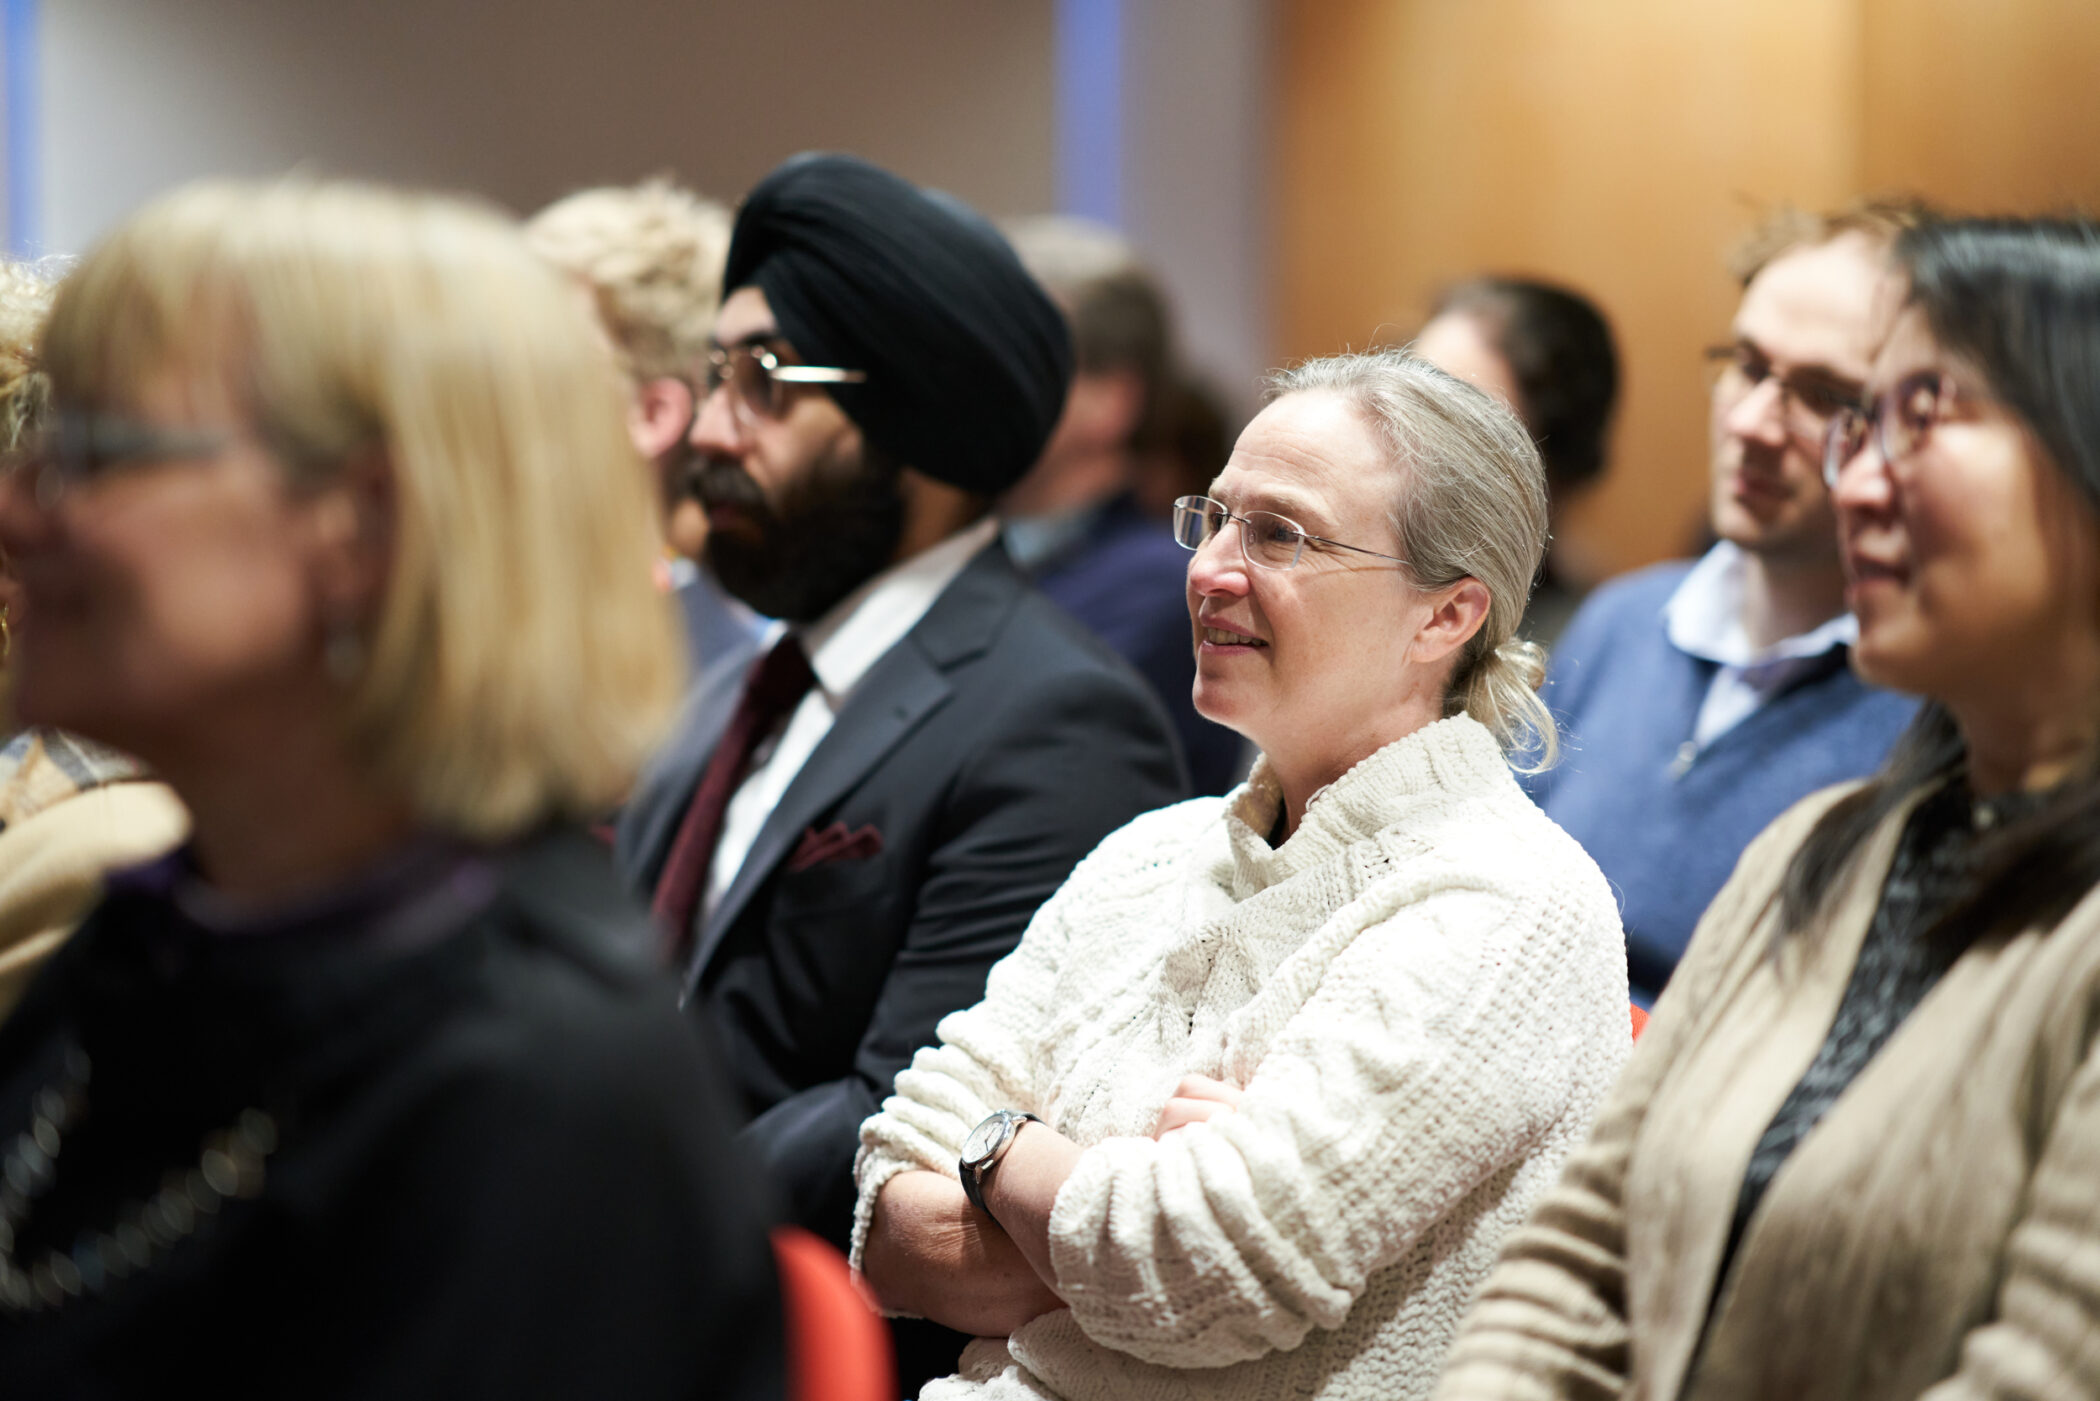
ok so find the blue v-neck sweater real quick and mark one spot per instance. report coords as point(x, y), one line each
point(1664, 819)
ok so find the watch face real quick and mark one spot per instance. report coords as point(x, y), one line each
point(983, 1139)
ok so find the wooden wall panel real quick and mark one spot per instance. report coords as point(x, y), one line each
point(1622, 145)
point(1985, 105)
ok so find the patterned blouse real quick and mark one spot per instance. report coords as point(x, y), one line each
point(1902, 959)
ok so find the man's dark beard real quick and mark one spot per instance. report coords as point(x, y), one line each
point(834, 529)
point(678, 470)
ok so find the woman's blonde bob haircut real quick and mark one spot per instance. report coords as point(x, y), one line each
point(519, 664)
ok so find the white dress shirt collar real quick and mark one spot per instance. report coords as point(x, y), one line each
point(842, 645)
point(1704, 617)
point(861, 627)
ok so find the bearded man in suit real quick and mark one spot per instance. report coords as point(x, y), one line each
point(840, 854)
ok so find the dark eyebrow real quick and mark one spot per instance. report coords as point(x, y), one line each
point(761, 340)
point(1745, 346)
point(1829, 381)
point(1811, 376)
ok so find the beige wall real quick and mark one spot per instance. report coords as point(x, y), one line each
point(1987, 105)
point(1619, 145)
point(528, 99)
point(1195, 169)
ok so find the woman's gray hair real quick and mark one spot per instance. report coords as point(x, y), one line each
point(1472, 503)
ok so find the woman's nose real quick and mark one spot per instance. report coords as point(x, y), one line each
point(1218, 566)
point(1863, 483)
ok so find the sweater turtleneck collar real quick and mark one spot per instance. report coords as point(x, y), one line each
point(1443, 759)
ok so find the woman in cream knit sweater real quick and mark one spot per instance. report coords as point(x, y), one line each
point(1299, 1057)
point(1857, 1154)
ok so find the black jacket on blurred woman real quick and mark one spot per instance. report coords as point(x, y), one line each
point(461, 1057)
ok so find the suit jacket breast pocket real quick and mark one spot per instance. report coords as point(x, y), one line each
point(835, 881)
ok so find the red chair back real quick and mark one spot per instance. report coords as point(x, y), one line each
point(838, 1347)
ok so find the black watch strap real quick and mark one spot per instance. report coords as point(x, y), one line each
point(973, 1177)
point(973, 1188)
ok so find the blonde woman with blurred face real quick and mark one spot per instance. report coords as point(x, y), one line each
point(70, 809)
point(1249, 1110)
point(335, 524)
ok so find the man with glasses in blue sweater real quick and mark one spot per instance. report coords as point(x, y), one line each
point(1699, 700)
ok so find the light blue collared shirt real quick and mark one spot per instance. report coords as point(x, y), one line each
point(1704, 618)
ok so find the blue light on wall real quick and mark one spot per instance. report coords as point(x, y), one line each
point(1090, 109)
point(19, 66)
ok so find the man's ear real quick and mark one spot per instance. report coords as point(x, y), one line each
point(353, 536)
point(659, 415)
point(1457, 611)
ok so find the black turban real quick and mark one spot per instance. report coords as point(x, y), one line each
point(967, 360)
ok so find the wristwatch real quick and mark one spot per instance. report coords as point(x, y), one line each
point(983, 1149)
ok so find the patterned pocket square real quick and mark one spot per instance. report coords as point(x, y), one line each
point(834, 843)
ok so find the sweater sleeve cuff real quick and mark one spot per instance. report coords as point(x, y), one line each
point(872, 1171)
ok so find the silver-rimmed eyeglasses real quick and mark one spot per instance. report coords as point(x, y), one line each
point(1267, 540)
point(1899, 420)
point(75, 448)
point(757, 378)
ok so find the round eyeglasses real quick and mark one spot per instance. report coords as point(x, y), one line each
point(758, 381)
point(1898, 420)
point(1808, 400)
point(1267, 540)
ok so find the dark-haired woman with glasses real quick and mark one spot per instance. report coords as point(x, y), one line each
point(1251, 1108)
point(1857, 1153)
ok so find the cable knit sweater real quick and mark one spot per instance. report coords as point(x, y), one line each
point(1423, 996)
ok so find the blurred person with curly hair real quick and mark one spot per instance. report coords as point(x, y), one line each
point(650, 256)
point(70, 809)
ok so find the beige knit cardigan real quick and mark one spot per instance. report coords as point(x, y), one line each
point(1937, 1234)
point(1423, 994)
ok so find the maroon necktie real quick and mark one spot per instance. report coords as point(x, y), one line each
point(777, 683)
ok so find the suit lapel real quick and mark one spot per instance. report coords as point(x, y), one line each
point(888, 703)
point(898, 692)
